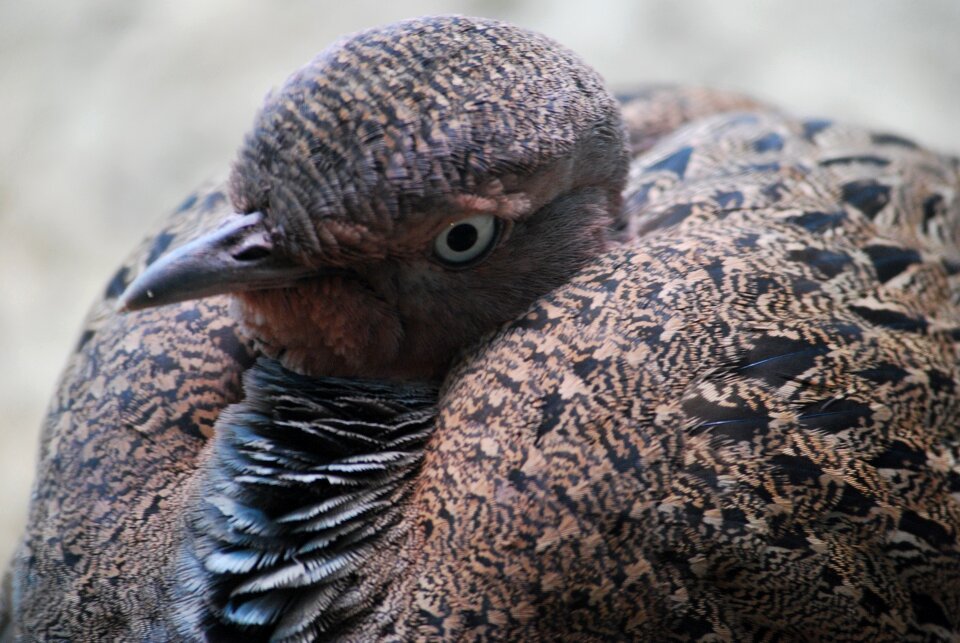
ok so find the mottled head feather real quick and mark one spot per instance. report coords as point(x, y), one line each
point(400, 120)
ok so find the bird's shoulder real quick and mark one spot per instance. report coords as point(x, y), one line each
point(695, 441)
point(758, 393)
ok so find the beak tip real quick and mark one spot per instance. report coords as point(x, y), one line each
point(133, 299)
point(217, 263)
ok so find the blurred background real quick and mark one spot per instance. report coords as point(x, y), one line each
point(113, 110)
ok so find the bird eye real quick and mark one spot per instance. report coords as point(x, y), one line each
point(467, 240)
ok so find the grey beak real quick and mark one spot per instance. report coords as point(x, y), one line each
point(237, 256)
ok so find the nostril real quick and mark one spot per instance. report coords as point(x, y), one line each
point(252, 253)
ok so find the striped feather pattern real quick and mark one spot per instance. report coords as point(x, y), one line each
point(305, 481)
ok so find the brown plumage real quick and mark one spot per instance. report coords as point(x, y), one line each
point(738, 421)
point(366, 155)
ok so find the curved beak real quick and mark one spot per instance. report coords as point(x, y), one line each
point(237, 256)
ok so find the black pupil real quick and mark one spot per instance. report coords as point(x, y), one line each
point(462, 237)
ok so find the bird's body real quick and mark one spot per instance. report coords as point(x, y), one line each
point(738, 420)
point(742, 424)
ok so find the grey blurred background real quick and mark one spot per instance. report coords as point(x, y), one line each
point(112, 110)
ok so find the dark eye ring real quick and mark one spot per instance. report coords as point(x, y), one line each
point(468, 240)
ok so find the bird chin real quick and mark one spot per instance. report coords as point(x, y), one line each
point(323, 362)
point(325, 328)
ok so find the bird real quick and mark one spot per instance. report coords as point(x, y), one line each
point(705, 391)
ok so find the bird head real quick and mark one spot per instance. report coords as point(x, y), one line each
point(405, 192)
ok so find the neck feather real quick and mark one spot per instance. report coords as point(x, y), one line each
point(303, 490)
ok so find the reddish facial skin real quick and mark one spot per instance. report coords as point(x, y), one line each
point(408, 316)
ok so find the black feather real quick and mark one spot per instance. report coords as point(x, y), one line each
point(306, 477)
